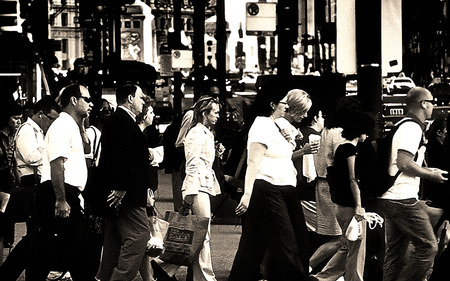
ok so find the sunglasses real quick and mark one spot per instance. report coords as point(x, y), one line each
point(86, 99)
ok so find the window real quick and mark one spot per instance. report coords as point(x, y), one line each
point(64, 46)
point(64, 19)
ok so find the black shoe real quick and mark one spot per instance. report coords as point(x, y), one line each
point(312, 278)
point(159, 273)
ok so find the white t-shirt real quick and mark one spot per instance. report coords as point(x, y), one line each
point(276, 167)
point(63, 139)
point(407, 138)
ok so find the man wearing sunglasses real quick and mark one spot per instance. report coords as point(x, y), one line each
point(58, 241)
point(406, 219)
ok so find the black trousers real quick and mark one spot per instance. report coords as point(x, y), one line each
point(273, 227)
point(58, 244)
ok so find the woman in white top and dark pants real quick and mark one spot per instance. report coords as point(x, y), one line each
point(273, 223)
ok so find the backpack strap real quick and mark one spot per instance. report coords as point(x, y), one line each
point(96, 146)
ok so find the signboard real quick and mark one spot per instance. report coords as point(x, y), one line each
point(345, 36)
point(391, 36)
point(261, 18)
point(182, 59)
point(132, 39)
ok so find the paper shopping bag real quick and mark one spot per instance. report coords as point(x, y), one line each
point(184, 238)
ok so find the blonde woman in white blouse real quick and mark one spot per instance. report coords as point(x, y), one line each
point(200, 182)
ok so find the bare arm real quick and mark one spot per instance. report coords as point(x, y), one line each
point(62, 208)
point(359, 211)
point(406, 164)
point(255, 155)
point(308, 148)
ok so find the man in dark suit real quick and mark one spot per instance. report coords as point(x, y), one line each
point(124, 163)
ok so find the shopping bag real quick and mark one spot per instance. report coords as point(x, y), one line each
point(158, 230)
point(184, 238)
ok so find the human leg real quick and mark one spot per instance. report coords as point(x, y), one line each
point(356, 255)
point(177, 182)
point(134, 231)
point(406, 221)
point(295, 211)
point(111, 250)
point(326, 251)
point(285, 260)
point(252, 246)
point(202, 268)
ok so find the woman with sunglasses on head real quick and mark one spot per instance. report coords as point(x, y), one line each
point(200, 181)
point(272, 218)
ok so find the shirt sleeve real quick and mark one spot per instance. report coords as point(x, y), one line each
point(409, 136)
point(27, 145)
point(261, 131)
point(194, 163)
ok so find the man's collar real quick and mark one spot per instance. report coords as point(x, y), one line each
point(132, 115)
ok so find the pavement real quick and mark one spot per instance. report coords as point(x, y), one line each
point(225, 234)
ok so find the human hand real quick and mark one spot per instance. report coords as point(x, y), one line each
point(438, 175)
point(62, 209)
point(220, 150)
point(189, 199)
point(311, 148)
point(359, 213)
point(242, 207)
point(115, 198)
point(151, 156)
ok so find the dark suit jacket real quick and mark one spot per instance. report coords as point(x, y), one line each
point(124, 159)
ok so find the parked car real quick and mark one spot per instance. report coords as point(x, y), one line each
point(399, 85)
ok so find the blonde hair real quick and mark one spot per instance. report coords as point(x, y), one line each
point(298, 101)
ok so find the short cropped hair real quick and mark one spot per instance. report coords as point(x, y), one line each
point(73, 90)
point(361, 123)
point(148, 101)
point(123, 91)
point(299, 101)
point(8, 108)
point(46, 104)
point(414, 95)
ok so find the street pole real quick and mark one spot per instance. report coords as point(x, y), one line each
point(199, 46)
point(178, 27)
point(287, 14)
point(221, 37)
point(368, 56)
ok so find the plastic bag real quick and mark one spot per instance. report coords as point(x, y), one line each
point(158, 230)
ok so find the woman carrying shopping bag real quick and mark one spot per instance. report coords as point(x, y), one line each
point(200, 182)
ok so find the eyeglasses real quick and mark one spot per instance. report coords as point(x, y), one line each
point(86, 99)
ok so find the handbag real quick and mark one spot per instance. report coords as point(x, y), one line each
point(158, 230)
point(184, 238)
